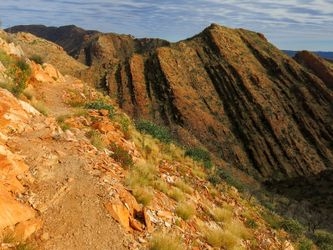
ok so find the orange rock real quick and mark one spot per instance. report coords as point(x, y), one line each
point(135, 224)
point(120, 213)
point(165, 214)
point(12, 211)
point(128, 199)
point(104, 112)
point(24, 230)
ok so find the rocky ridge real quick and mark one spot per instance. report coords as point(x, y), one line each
point(229, 90)
point(60, 189)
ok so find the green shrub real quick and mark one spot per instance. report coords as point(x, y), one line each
point(251, 223)
point(121, 155)
point(200, 155)
point(37, 59)
point(293, 227)
point(324, 240)
point(220, 175)
point(305, 244)
point(158, 132)
point(100, 104)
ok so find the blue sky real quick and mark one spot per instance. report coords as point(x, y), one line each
point(289, 24)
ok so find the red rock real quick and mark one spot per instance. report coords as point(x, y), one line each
point(120, 213)
point(24, 230)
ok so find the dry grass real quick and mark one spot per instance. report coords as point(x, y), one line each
point(217, 237)
point(183, 186)
point(176, 194)
point(40, 106)
point(185, 210)
point(96, 139)
point(142, 174)
point(221, 214)
point(166, 242)
point(161, 186)
point(143, 195)
point(238, 229)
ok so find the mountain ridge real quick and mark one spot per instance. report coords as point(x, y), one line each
point(239, 87)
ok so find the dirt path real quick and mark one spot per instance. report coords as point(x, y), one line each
point(67, 192)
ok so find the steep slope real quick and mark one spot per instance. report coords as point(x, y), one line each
point(229, 89)
point(83, 178)
point(318, 66)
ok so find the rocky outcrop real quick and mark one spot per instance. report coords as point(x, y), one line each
point(320, 67)
point(229, 89)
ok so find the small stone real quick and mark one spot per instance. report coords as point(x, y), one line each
point(141, 240)
point(45, 236)
point(104, 112)
point(167, 224)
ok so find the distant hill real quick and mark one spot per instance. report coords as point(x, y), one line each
point(323, 54)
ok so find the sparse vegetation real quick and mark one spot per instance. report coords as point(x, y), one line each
point(96, 139)
point(37, 59)
point(143, 195)
point(165, 242)
point(221, 214)
point(183, 186)
point(176, 194)
point(217, 237)
point(40, 106)
point(99, 105)
point(121, 155)
point(323, 239)
point(142, 175)
point(200, 155)
point(62, 122)
point(293, 227)
point(159, 132)
point(18, 72)
point(185, 210)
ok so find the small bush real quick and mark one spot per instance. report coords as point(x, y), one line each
point(251, 223)
point(143, 195)
point(176, 194)
point(165, 242)
point(293, 227)
point(37, 59)
point(324, 240)
point(306, 244)
point(217, 237)
point(96, 139)
point(121, 155)
point(220, 175)
point(161, 186)
point(101, 104)
point(200, 155)
point(40, 106)
point(141, 175)
point(272, 219)
point(183, 186)
point(158, 132)
point(221, 214)
point(185, 210)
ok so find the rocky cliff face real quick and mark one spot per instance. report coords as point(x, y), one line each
point(228, 89)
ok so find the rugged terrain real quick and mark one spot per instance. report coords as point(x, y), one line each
point(76, 174)
point(227, 89)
